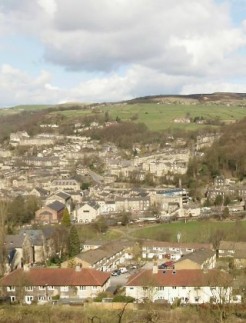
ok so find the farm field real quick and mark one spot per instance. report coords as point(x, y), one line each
point(193, 231)
point(161, 116)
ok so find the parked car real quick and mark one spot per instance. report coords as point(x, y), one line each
point(167, 265)
point(123, 270)
point(116, 272)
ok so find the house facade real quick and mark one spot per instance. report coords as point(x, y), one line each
point(43, 284)
point(50, 214)
point(189, 286)
point(86, 213)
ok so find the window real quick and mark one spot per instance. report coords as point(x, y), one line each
point(28, 299)
point(161, 288)
point(12, 298)
point(82, 287)
point(196, 299)
point(94, 287)
point(145, 288)
point(42, 287)
point(64, 288)
point(51, 287)
point(11, 288)
point(29, 288)
point(174, 287)
point(41, 298)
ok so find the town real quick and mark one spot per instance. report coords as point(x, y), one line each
point(57, 184)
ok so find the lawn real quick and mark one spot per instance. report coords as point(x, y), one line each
point(88, 232)
point(193, 231)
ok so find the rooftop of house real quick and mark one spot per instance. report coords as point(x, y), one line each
point(36, 236)
point(180, 278)
point(167, 244)
point(56, 206)
point(14, 240)
point(63, 195)
point(199, 256)
point(232, 245)
point(56, 277)
point(105, 251)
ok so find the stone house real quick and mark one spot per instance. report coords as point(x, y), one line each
point(62, 197)
point(234, 250)
point(86, 213)
point(50, 214)
point(64, 185)
point(198, 259)
point(18, 250)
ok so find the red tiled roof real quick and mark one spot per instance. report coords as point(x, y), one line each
point(182, 278)
point(56, 277)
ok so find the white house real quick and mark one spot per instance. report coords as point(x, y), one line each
point(86, 213)
point(189, 286)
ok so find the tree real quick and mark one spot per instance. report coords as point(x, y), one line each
point(17, 212)
point(3, 216)
point(74, 243)
point(218, 200)
point(125, 218)
point(225, 212)
point(216, 237)
point(32, 204)
point(101, 225)
point(66, 221)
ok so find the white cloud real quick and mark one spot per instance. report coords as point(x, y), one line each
point(211, 87)
point(163, 46)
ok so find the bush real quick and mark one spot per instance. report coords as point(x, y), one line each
point(123, 299)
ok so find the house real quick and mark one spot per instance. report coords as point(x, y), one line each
point(19, 250)
point(62, 197)
point(105, 258)
point(64, 185)
point(173, 250)
point(190, 286)
point(50, 214)
point(234, 250)
point(92, 244)
point(198, 259)
point(39, 192)
point(42, 284)
point(38, 244)
point(86, 213)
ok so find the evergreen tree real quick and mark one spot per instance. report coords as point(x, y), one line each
point(66, 221)
point(74, 243)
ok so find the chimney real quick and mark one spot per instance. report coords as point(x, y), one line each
point(155, 268)
point(26, 267)
point(78, 267)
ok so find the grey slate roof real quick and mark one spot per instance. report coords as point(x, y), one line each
point(36, 236)
point(56, 205)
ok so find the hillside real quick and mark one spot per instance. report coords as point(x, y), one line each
point(158, 113)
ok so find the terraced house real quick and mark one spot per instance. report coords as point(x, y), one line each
point(45, 284)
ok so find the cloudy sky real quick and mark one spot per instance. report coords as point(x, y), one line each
point(54, 51)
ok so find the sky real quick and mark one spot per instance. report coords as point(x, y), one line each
point(56, 51)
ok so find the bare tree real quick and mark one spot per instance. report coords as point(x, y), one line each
point(3, 217)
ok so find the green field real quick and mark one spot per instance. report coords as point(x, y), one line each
point(161, 116)
point(193, 231)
